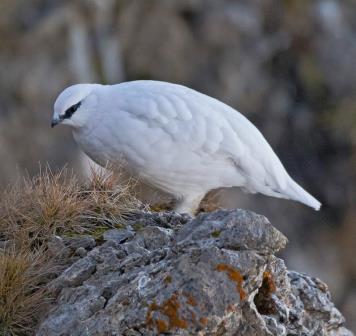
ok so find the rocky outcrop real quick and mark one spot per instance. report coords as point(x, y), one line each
point(165, 273)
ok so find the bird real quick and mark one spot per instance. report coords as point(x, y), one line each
point(175, 139)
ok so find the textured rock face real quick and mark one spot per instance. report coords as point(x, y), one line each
point(169, 274)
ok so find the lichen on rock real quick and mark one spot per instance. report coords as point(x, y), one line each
point(173, 276)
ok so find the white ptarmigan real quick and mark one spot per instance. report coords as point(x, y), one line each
point(174, 138)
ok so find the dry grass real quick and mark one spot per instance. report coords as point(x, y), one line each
point(34, 210)
point(22, 292)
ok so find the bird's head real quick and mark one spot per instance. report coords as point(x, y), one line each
point(74, 105)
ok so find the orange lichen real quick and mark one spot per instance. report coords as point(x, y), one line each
point(192, 314)
point(203, 321)
point(161, 326)
point(169, 308)
point(190, 299)
point(235, 276)
point(152, 307)
point(268, 282)
point(263, 300)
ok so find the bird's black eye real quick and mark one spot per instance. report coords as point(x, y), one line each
point(70, 111)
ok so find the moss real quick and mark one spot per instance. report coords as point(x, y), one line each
point(235, 276)
point(120, 226)
point(161, 207)
point(216, 233)
point(98, 232)
point(167, 280)
point(138, 226)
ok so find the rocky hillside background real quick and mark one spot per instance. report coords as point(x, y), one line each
point(289, 66)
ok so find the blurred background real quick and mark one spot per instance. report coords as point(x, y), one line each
point(289, 66)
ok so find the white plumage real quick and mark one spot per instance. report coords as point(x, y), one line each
point(176, 139)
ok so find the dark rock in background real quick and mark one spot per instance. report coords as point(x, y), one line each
point(213, 275)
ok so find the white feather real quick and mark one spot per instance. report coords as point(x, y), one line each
point(177, 139)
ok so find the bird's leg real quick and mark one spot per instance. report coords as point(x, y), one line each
point(188, 204)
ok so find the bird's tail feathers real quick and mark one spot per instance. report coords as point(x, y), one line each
point(297, 193)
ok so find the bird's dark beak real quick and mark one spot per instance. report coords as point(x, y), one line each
point(55, 121)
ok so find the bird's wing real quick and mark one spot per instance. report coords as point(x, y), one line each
point(207, 126)
point(255, 157)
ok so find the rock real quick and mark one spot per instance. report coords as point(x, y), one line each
point(57, 247)
point(213, 275)
point(75, 274)
point(85, 241)
point(236, 231)
point(81, 251)
point(118, 236)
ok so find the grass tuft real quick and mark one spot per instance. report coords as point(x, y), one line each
point(34, 209)
point(22, 294)
point(31, 212)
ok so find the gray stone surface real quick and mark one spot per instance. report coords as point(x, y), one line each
point(213, 275)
